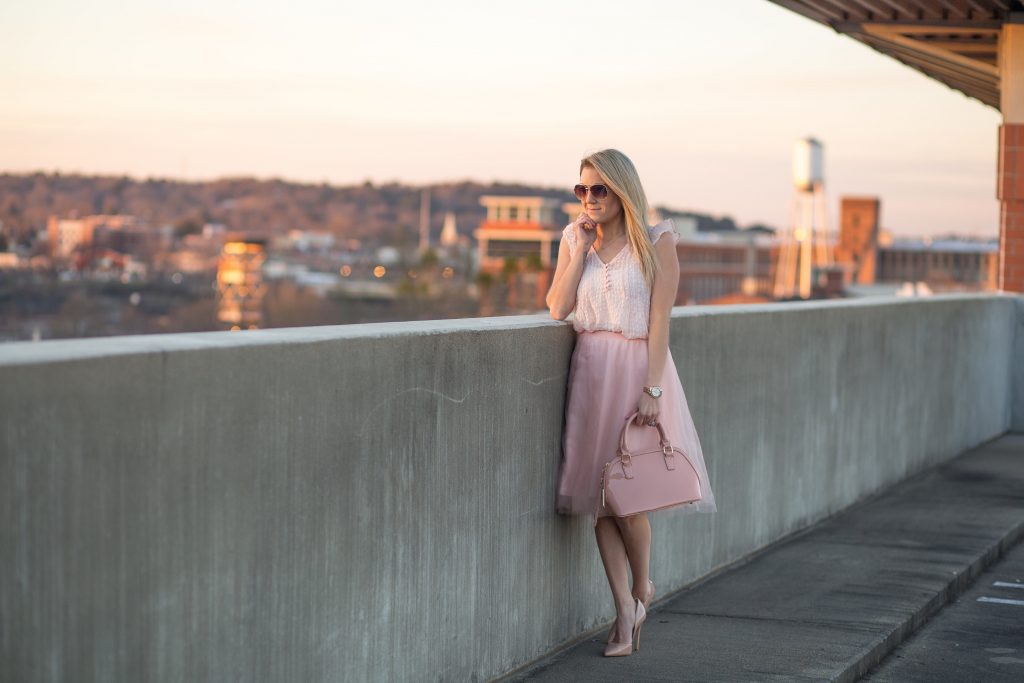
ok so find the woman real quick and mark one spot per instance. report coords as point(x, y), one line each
point(619, 277)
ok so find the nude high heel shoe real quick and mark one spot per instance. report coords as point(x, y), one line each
point(626, 648)
point(647, 604)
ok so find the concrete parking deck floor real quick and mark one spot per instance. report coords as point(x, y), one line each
point(834, 601)
point(979, 637)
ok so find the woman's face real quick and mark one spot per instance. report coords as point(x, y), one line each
point(605, 210)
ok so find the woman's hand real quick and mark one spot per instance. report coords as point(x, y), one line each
point(586, 230)
point(648, 409)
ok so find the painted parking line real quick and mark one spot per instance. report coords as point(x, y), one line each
point(1007, 584)
point(1001, 601)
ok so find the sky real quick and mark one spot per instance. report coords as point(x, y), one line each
point(707, 98)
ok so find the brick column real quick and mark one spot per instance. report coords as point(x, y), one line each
point(1010, 181)
point(1010, 190)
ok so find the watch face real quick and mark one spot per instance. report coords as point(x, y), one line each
point(655, 392)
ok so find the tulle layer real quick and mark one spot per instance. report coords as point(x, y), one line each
point(606, 377)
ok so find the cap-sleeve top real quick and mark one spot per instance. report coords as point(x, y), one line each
point(613, 296)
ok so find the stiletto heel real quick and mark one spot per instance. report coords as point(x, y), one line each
point(626, 648)
point(641, 617)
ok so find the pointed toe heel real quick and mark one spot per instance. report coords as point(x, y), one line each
point(626, 648)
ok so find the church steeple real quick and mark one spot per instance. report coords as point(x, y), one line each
point(449, 233)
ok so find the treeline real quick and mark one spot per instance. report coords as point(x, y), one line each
point(377, 213)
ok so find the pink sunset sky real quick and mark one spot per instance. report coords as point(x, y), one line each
point(706, 97)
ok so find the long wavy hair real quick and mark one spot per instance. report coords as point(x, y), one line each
point(620, 175)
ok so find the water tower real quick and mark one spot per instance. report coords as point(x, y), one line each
point(804, 245)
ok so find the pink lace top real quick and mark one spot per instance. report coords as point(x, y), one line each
point(613, 296)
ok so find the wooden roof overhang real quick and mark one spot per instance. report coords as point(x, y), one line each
point(955, 42)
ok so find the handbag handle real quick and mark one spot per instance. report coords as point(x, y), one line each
point(622, 436)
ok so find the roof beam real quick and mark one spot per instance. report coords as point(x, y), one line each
point(909, 52)
point(953, 41)
point(979, 7)
point(963, 46)
point(923, 26)
point(802, 9)
point(834, 11)
point(903, 8)
point(874, 8)
point(931, 9)
point(985, 92)
point(949, 71)
point(989, 96)
point(952, 8)
point(941, 29)
point(893, 35)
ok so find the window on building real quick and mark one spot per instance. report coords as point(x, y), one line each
point(513, 248)
point(513, 213)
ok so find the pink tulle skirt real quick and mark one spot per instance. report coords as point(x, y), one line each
point(606, 377)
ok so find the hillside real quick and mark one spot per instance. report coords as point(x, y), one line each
point(386, 213)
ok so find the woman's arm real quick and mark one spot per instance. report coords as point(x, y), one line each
point(561, 298)
point(663, 296)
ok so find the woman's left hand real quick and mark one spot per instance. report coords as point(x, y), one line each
point(648, 408)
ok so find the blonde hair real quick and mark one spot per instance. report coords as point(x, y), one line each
point(619, 173)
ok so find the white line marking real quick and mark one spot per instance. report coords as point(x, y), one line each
point(1001, 601)
point(1007, 584)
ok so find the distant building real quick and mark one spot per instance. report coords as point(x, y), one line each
point(309, 240)
point(859, 237)
point(735, 266)
point(122, 233)
point(9, 260)
point(943, 264)
point(65, 235)
point(869, 255)
point(726, 267)
point(519, 227)
point(715, 267)
point(240, 286)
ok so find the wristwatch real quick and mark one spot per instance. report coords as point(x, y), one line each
point(653, 392)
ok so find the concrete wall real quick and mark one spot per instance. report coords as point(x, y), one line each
point(376, 502)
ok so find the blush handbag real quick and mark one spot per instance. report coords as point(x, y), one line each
point(648, 480)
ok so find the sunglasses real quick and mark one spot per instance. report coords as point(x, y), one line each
point(598, 191)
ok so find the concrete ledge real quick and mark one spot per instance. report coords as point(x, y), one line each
point(376, 502)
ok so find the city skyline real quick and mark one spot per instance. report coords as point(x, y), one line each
point(348, 93)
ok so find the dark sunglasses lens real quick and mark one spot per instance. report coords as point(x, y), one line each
point(580, 191)
point(599, 191)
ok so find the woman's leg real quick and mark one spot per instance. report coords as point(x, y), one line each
point(636, 538)
point(613, 555)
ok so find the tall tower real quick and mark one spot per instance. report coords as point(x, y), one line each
point(805, 243)
point(425, 220)
point(449, 233)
